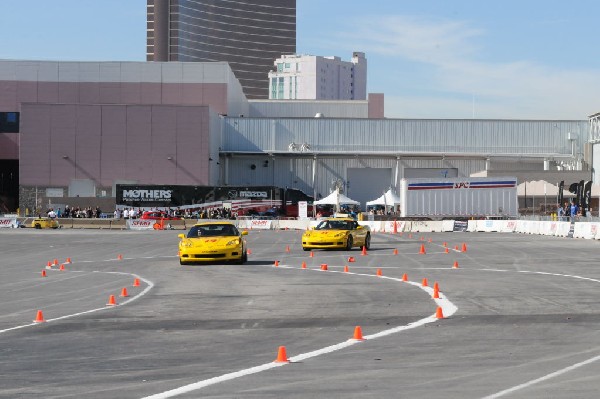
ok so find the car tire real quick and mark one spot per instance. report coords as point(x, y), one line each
point(38, 226)
point(244, 258)
point(305, 249)
point(181, 262)
point(368, 241)
point(349, 243)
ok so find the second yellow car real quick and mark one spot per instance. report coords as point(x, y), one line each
point(337, 233)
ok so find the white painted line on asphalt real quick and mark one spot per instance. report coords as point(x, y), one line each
point(448, 308)
point(149, 285)
point(544, 378)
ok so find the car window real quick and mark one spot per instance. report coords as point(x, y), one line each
point(212, 230)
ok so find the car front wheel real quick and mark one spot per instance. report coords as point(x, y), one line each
point(368, 241)
point(349, 243)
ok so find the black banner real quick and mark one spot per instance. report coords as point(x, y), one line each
point(460, 225)
point(587, 198)
point(561, 187)
point(580, 194)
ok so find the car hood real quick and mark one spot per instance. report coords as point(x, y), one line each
point(326, 233)
point(210, 241)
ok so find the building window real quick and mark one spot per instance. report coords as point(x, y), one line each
point(280, 67)
point(9, 122)
point(287, 65)
point(280, 88)
point(274, 88)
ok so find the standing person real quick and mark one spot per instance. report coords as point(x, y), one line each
point(126, 214)
point(573, 210)
point(560, 212)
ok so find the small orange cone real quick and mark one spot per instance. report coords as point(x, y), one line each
point(282, 356)
point(424, 282)
point(303, 265)
point(312, 255)
point(324, 266)
point(119, 257)
point(445, 244)
point(422, 250)
point(364, 250)
point(436, 291)
point(395, 227)
point(68, 260)
point(439, 314)
point(405, 277)
point(55, 263)
point(39, 317)
point(346, 270)
point(446, 250)
point(456, 247)
point(351, 259)
point(136, 282)
point(111, 301)
point(43, 273)
point(248, 251)
point(455, 265)
point(395, 251)
point(276, 263)
point(358, 335)
point(49, 265)
point(464, 247)
point(379, 273)
point(61, 268)
point(124, 293)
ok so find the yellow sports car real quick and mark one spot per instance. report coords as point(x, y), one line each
point(45, 223)
point(341, 233)
point(212, 242)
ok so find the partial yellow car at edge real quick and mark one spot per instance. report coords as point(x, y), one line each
point(212, 242)
point(337, 233)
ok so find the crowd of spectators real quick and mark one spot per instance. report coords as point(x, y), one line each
point(76, 212)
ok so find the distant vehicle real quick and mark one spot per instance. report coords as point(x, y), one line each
point(212, 242)
point(158, 215)
point(337, 233)
point(45, 223)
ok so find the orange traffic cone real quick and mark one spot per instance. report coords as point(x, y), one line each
point(358, 335)
point(136, 282)
point(276, 263)
point(282, 356)
point(464, 247)
point(111, 301)
point(422, 250)
point(61, 268)
point(405, 277)
point(324, 266)
point(119, 257)
point(351, 259)
point(68, 260)
point(346, 270)
point(445, 244)
point(49, 265)
point(436, 291)
point(124, 293)
point(303, 265)
point(455, 265)
point(439, 314)
point(248, 251)
point(446, 250)
point(395, 251)
point(424, 282)
point(55, 263)
point(456, 247)
point(379, 273)
point(395, 227)
point(43, 273)
point(312, 255)
point(39, 317)
point(364, 250)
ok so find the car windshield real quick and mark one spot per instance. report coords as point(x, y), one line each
point(213, 230)
point(335, 225)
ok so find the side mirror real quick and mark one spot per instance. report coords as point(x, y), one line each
point(182, 236)
point(359, 227)
point(245, 232)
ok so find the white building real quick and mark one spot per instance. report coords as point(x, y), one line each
point(309, 77)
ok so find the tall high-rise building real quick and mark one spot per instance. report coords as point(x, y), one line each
point(309, 77)
point(248, 34)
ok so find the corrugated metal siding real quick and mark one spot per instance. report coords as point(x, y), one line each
point(404, 135)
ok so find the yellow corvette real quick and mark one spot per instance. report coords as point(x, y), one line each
point(45, 223)
point(212, 242)
point(339, 233)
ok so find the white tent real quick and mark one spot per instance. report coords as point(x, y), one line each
point(336, 198)
point(388, 198)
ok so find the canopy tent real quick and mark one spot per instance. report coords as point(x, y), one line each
point(336, 198)
point(388, 198)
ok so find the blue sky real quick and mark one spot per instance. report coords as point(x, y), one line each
point(432, 58)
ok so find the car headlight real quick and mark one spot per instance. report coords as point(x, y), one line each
point(233, 242)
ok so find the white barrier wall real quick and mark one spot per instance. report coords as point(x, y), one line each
point(8, 222)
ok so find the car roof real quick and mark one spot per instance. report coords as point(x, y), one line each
point(213, 223)
point(341, 219)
